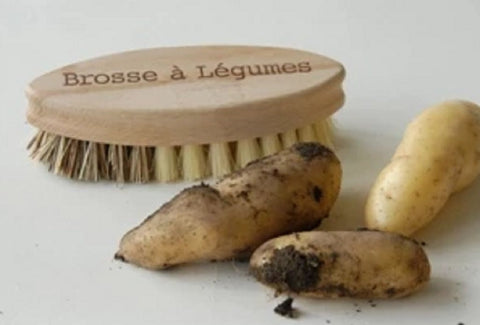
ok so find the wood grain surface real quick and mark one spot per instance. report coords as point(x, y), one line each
point(186, 95)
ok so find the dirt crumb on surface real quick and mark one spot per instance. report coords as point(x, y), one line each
point(285, 309)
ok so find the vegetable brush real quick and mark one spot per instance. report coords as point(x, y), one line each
point(167, 114)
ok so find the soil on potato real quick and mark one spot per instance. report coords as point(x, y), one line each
point(290, 270)
point(310, 150)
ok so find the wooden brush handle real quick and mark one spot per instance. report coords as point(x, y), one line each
point(186, 95)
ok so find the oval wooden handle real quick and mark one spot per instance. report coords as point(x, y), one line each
point(186, 95)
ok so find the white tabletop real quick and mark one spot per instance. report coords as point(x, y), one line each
point(58, 237)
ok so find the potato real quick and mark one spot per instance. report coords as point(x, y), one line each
point(290, 191)
point(439, 155)
point(359, 264)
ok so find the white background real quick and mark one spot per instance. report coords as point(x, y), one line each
point(57, 237)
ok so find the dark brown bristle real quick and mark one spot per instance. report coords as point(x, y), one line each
point(92, 161)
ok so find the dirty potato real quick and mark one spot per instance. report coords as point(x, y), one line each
point(438, 156)
point(292, 190)
point(359, 264)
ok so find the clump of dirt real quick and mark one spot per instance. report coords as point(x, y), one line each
point(310, 150)
point(285, 309)
point(292, 271)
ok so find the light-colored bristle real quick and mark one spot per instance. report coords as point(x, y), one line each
point(35, 143)
point(270, 144)
point(194, 163)
point(94, 163)
point(165, 164)
point(307, 134)
point(51, 154)
point(116, 159)
point(59, 156)
point(138, 162)
point(70, 165)
point(289, 138)
point(220, 158)
point(247, 151)
point(324, 130)
point(45, 148)
point(85, 173)
point(45, 139)
point(135, 168)
point(63, 157)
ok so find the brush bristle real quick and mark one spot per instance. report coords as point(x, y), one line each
point(247, 151)
point(270, 144)
point(166, 164)
point(324, 131)
point(289, 138)
point(92, 161)
point(221, 160)
point(194, 163)
point(140, 164)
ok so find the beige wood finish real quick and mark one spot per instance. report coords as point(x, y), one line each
point(139, 98)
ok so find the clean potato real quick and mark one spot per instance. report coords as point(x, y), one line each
point(290, 191)
point(439, 155)
point(359, 264)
